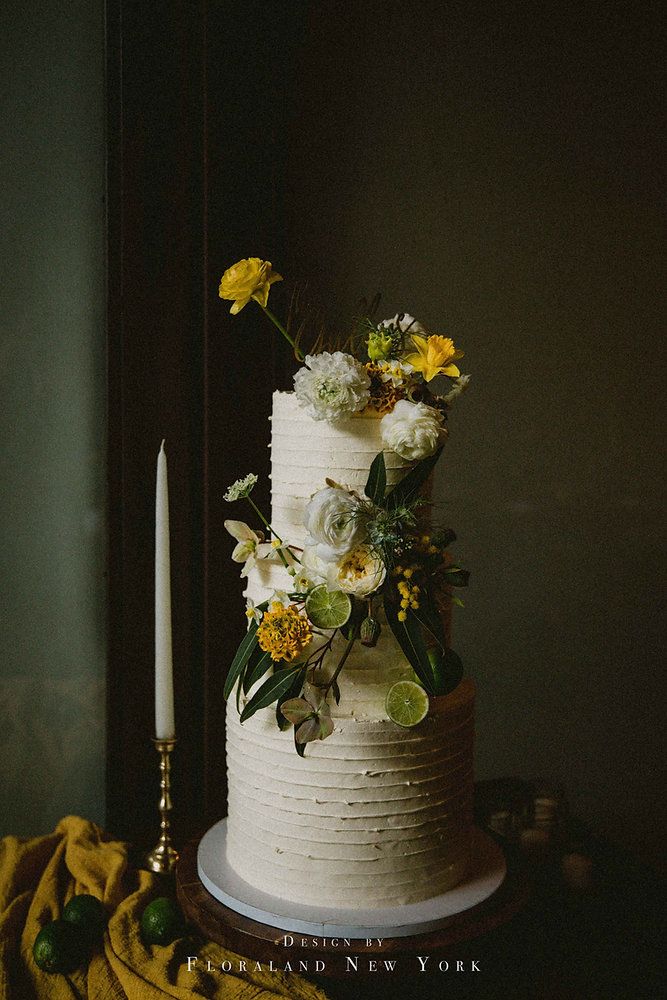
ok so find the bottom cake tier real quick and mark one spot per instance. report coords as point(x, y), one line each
point(375, 815)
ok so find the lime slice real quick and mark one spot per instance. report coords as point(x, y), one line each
point(328, 608)
point(407, 703)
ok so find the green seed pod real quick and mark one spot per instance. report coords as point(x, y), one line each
point(369, 632)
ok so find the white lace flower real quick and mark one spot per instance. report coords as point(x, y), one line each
point(251, 545)
point(403, 322)
point(361, 572)
point(413, 430)
point(332, 386)
point(334, 523)
point(241, 488)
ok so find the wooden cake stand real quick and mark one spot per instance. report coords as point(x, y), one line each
point(266, 943)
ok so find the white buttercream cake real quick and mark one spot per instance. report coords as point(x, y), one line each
point(376, 814)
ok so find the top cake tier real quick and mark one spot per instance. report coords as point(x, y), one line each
point(304, 452)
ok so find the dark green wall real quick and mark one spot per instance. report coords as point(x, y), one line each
point(493, 169)
point(52, 423)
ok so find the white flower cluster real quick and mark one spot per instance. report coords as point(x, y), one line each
point(241, 488)
point(332, 386)
point(335, 551)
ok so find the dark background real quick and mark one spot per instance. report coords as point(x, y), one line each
point(494, 170)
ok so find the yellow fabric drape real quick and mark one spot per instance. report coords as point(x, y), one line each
point(39, 876)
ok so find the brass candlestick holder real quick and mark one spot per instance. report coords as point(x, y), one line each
point(163, 857)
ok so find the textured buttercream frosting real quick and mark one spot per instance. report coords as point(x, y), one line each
point(375, 815)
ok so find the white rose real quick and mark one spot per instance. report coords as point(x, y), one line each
point(413, 430)
point(361, 572)
point(333, 521)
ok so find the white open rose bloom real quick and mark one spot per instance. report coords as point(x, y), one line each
point(332, 386)
point(413, 430)
point(361, 572)
point(333, 522)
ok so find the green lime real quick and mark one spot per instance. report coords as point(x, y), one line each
point(87, 914)
point(58, 948)
point(407, 703)
point(328, 608)
point(161, 922)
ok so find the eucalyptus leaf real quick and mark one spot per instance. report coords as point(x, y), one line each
point(299, 747)
point(314, 728)
point(297, 710)
point(410, 638)
point(272, 688)
point(409, 487)
point(376, 483)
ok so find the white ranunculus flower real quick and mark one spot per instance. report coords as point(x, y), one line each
point(361, 572)
point(333, 522)
point(413, 430)
point(332, 386)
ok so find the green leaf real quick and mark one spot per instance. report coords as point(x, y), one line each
point(448, 671)
point(409, 487)
point(456, 600)
point(243, 654)
point(431, 620)
point(271, 690)
point(257, 667)
point(410, 638)
point(292, 692)
point(299, 747)
point(376, 484)
point(456, 577)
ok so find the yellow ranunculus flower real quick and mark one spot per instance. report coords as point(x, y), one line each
point(251, 278)
point(434, 356)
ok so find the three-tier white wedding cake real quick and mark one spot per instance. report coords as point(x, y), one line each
point(375, 814)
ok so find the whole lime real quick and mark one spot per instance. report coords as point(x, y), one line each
point(161, 922)
point(87, 914)
point(58, 947)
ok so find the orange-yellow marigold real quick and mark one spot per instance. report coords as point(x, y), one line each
point(283, 632)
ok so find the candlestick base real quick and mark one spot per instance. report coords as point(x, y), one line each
point(164, 856)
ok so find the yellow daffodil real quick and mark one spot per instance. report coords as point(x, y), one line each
point(434, 356)
point(250, 278)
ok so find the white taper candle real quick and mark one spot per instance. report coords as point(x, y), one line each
point(164, 682)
